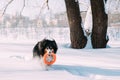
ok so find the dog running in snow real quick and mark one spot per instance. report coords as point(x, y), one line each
point(43, 46)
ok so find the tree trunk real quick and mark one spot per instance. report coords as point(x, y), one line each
point(78, 40)
point(100, 21)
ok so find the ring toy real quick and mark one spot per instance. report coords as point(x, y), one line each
point(49, 59)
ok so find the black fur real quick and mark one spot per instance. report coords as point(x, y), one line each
point(40, 47)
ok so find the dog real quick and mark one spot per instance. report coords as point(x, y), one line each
point(43, 46)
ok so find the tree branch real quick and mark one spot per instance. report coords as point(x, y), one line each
point(45, 4)
point(22, 7)
point(7, 7)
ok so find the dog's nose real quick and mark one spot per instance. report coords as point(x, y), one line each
point(50, 52)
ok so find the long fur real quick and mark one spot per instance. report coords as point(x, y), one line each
point(39, 48)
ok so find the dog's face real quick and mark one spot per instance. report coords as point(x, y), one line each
point(49, 50)
point(49, 47)
point(45, 46)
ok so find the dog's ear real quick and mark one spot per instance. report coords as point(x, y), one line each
point(39, 45)
point(36, 47)
point(43, 43)
point(55, 46)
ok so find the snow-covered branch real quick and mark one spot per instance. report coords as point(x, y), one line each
point(45, 4)
point(22, 7)
point(7, 6)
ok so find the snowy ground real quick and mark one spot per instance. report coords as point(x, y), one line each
point(16, 63)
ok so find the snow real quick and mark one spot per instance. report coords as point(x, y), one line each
point(16, 63)
point(113, 6)
point(88, 20)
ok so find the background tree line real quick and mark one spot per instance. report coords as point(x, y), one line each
point(78, 39)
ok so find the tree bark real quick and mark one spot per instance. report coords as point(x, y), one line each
point(78, 40)
point(100, 23)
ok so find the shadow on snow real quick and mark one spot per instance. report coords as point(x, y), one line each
point(86, 71)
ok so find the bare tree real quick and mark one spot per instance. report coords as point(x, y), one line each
point(5, 8)
point(22, 7)
point(78, 40)
point(44, 5)
point(100, 24)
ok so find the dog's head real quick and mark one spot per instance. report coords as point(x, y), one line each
point(49, 49)
point(49, 46)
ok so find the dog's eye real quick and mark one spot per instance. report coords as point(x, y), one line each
point(50, 47)
point(47, 48)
